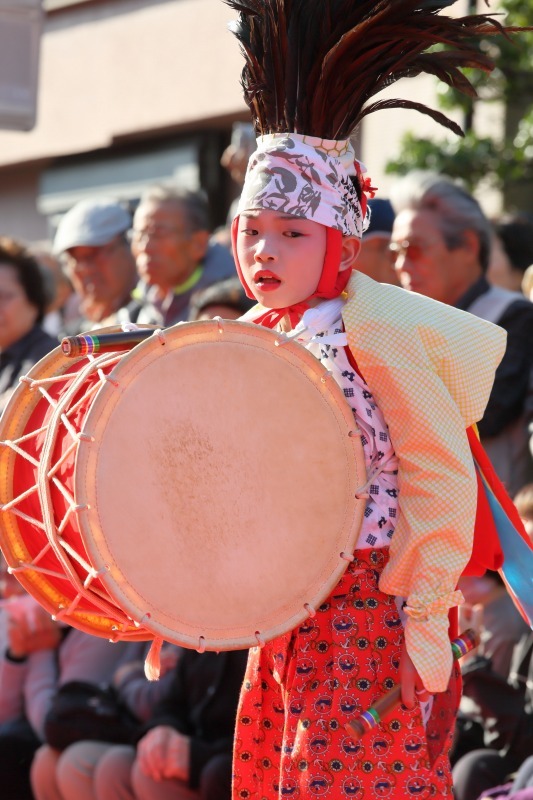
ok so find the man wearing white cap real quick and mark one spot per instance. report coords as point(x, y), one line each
point(91, 238)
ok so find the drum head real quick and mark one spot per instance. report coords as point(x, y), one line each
point(220, 481)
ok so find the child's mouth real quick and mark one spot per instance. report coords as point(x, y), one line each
point(266, 280)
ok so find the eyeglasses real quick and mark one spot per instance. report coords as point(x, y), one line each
point(411, 250)
point(156, 232)
point(90, 256)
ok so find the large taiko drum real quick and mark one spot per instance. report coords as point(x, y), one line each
point(201, 488)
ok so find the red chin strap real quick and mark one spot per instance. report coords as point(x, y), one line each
point(332, 281)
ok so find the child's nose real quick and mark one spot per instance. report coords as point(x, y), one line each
point(265, 251)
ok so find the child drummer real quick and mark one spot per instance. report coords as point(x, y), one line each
point(416, 374)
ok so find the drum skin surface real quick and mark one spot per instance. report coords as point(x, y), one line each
point(216, 484)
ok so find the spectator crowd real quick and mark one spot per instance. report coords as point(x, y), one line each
point(161, 265)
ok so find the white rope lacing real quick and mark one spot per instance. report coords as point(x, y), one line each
point(75, 392)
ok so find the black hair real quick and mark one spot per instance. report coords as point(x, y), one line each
point(29, 273)
point(516, 236)
point(224, 293)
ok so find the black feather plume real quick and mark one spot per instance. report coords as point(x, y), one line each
point(313, 66)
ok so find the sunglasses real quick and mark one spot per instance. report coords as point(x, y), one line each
point(414, 251)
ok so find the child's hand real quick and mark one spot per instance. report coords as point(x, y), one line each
point(410, 681)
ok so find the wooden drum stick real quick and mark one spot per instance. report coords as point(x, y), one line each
point(89, 344)
point(371, 718)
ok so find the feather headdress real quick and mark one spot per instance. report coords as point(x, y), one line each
point(313, 66)
point(312, 70)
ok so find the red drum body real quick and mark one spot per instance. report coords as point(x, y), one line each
point(200, 488)
point(42, 428)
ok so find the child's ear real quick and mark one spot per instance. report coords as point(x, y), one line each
point(350, 250)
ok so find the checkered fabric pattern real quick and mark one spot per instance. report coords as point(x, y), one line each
point(430, 368)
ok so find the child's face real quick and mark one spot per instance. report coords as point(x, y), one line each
point(281, 256)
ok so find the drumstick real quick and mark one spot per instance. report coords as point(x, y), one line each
point(371, 718)
point(87, 343)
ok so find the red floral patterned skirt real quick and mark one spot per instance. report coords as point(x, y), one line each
point(302, 688)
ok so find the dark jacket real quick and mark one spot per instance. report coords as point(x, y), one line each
point(504, 708)
point(504, 427)
point(17, 360)
point(511, 384)
point(218, 265)
point(202, 704)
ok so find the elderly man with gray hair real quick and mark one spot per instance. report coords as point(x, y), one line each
point(441, 243)
point(170, 240)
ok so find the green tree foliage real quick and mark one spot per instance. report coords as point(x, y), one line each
point(507, 162)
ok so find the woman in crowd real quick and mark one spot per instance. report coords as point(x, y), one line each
point(23, 301)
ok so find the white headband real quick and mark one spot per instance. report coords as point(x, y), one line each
point(308, 177)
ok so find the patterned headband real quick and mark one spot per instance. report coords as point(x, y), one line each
point(308, 177)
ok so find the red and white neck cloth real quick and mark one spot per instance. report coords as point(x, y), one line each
point(308, 177)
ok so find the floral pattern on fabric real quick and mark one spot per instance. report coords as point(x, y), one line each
point(301, 689)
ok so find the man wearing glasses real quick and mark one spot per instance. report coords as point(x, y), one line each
point(441, 244)
point(170, 240)
point(92, 243)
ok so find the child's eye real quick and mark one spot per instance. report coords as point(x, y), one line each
point(248, 232)
point(293, 234)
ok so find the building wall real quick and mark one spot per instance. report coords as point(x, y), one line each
point(116, 77)
point(120, 77)
point(127, 68)
point(19, 216)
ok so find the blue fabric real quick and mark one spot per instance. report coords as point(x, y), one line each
point(517, 569)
